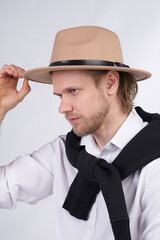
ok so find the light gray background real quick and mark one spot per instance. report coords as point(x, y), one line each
point(27, 31)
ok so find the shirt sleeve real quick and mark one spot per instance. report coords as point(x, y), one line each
point(150, 203)
point(28, 178)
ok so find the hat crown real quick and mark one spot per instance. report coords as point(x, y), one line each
point(88, 42)
point(86, 47)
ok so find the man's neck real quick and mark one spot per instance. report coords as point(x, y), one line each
point(113, 122)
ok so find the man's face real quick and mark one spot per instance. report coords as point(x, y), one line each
point(85, 106)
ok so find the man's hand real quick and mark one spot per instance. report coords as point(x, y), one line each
point(9, 96)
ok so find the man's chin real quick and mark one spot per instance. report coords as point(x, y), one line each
point(81, 132)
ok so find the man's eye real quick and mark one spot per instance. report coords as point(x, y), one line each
point(74, 90)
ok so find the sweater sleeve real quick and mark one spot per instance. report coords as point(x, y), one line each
point(28, 178)
point(149, 227)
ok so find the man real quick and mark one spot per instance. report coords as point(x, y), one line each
point(97, 91)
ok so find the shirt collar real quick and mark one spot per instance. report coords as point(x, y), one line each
point(130, 127)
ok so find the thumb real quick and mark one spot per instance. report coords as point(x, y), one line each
point(24, 90)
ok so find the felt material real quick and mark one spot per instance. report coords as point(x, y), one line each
point(85, 48)
point(95, 174)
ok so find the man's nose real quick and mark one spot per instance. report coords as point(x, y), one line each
point(65, 106)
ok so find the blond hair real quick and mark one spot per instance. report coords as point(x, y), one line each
point(127, 91)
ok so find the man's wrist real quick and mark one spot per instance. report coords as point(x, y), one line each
point(2, 115)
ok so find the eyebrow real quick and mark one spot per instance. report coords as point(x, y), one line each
point(66, 90)
point(57, 94)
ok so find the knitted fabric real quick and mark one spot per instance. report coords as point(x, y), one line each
point(95, 174)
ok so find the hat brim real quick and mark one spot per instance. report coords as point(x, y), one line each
point(44, 74)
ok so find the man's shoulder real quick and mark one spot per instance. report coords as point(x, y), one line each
point(61, 139)
point(153, 165)
point(52, 148)
point(151, 171)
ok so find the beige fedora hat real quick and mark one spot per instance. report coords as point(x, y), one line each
point(86, 47)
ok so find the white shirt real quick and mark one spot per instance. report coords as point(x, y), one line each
point(34, 177)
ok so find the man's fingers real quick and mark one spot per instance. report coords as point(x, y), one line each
point(8, 78)
point(10, 72)
point(24, 90)
point(19, 70)
point(13, 67)
point(13, 70)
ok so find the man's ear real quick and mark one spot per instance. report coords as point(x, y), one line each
point(112, 82)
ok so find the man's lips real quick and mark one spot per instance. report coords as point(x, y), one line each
point(73, 120)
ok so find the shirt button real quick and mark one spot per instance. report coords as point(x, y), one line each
point(90, 228)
